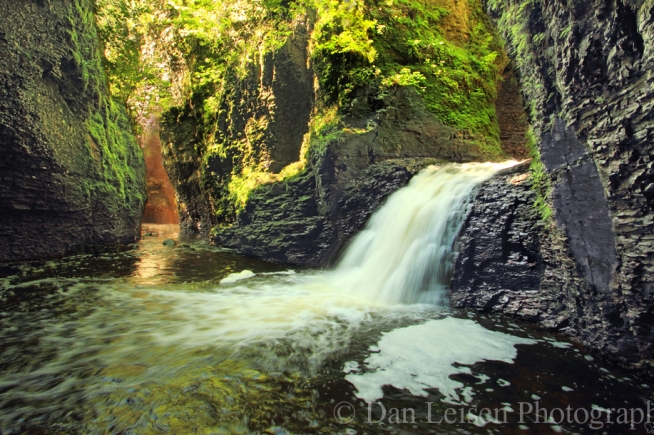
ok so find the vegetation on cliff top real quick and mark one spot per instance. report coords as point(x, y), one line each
point(355, 44)
point(191, 54)
point(409, 44)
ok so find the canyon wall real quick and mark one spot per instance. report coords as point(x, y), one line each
point(305, 220)
point(71, 172)
point(587, 73)
point(303, 142)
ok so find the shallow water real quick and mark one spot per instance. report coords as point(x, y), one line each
point(181, 340)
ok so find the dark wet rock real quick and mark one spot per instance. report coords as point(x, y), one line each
point(71, 172)
point(499, 247)
point(560, 147)
point(7, 270)
point(582, 212)
point(307, 220)
point(511, 262)
point(587, 72)
point(306, 223)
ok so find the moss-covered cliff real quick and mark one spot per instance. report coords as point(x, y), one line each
point(72, 174)
point(586, 69)
point(259, 95)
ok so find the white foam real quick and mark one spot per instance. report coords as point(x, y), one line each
point(351, 367)
point(283, 272)
point(560, 344)
point(234, 277)
point(422, 357)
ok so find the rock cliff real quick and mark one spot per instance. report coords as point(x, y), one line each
point(306, 220)
point(298, 154)
point(71, 173)
point(587, 73)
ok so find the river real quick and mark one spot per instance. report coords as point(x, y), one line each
point(193, 338)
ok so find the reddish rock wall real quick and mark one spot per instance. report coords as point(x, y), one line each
point(161, 207)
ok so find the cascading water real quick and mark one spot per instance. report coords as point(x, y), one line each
point(404, 255)
point(198, 340)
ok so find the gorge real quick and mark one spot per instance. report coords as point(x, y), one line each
point(360, 251)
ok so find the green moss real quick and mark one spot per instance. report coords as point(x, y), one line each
point(110, 133)
point(325, 128)
point(190, 56)
point(407, 46)
point(357, 44)
point(110, 138)
point(541, 182)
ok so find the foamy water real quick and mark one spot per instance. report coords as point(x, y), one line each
point(120, 349)
point(423, 357)
point(404, 255)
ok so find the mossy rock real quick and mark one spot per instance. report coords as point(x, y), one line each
point(73, 173)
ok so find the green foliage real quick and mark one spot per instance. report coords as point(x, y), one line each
point(541, 182)
point(191, 54)
point(110, 140)
point(126, 29)
point(326, 127)
point(344, 27)
point(356, 44)
point(370, 44)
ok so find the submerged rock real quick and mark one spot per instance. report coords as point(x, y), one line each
point(169, 242)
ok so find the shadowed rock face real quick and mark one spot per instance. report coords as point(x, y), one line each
point(499, 259)
point(582, 211)
point(71, 172)
point(511, 116)
point(588, 76)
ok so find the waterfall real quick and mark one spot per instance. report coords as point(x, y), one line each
point(405, 253)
